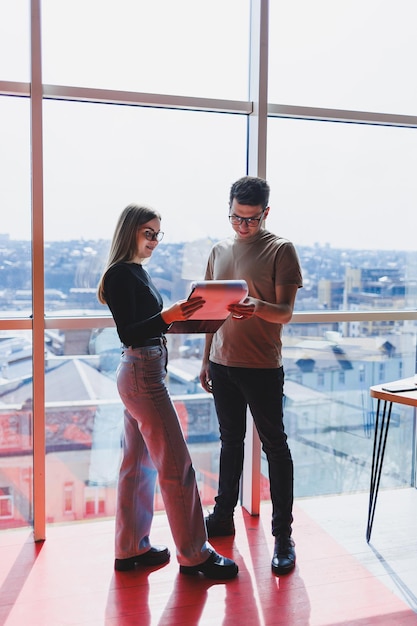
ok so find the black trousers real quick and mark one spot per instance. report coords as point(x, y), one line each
point(234, 389)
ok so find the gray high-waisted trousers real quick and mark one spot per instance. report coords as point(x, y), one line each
point(154, 446)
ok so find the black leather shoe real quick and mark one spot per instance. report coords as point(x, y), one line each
point(283, 560)
point(157, 555)
point(219, 527)
point(217, 567)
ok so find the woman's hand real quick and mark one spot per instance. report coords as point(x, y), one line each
point(182, 310)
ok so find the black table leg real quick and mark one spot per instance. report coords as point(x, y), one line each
point(380, 440)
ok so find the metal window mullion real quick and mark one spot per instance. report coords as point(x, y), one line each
point(258, 88)
point(38, 311)
point(256, 166)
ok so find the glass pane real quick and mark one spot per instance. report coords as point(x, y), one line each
point(345, 195)
point(84, 422)
point(15, 205)
point(14, 41)
point(347, 55)
point(16, 444)
point(183, 47)
point(100, 158)
point(330, 416)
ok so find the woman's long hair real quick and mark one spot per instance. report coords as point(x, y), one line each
point(124, 243)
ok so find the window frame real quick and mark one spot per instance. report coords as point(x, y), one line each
point(257, 110)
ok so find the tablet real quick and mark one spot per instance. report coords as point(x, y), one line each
point(217, 295)
point(398, 387)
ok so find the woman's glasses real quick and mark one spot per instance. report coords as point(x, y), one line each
point(152, 235)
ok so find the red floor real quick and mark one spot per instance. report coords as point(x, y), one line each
point(69, 580)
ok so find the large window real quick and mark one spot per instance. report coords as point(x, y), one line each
point(118, 102)
point(16, 429)
point(353, 54)
point(15, 225)
point(345, 194)
point(99, 158)
point(329, 415)
point(179, 48)
point(14, 41)
point(347, 186)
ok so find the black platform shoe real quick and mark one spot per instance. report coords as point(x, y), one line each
point(217, 567)
point(157, 555)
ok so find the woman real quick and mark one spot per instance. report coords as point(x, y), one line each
point(153, 441)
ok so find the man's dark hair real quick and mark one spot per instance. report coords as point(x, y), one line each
point(250, 190)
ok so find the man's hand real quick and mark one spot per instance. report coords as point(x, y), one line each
point(243, 310)
point(205, 378)
point(279, 312)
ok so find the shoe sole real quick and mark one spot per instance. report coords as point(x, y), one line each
point(279, 571)
point(143, 560)
point(194, 570)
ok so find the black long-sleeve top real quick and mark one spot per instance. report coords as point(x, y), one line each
point(134, 302)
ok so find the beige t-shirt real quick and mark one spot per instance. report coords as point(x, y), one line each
point(264, 261)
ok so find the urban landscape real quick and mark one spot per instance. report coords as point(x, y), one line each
point(329, 368)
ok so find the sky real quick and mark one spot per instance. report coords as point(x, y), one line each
point(353, 186)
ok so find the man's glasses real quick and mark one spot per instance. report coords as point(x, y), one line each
point(236, 220)
point(151, 235)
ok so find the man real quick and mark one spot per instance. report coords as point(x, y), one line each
point(242, 362)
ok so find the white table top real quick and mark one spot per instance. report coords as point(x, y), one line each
point(400, 397)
